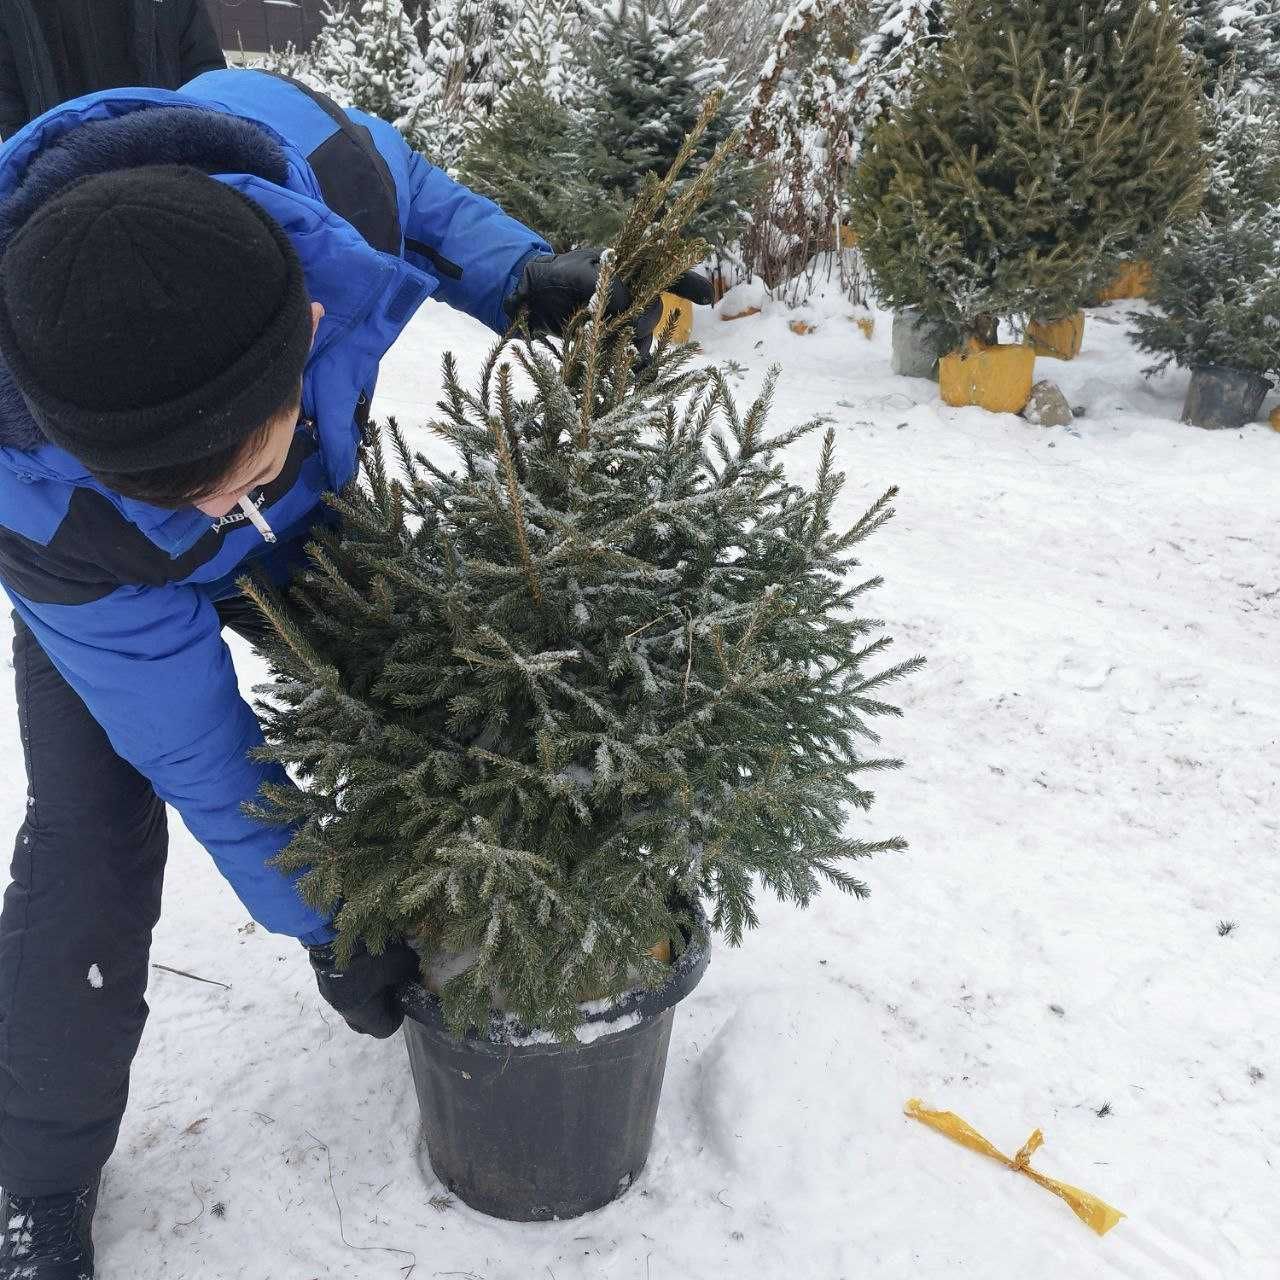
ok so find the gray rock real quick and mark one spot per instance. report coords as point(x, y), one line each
point(1048, 407)
point(915, 353)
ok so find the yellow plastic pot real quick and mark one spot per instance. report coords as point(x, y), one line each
point(994, 378)
point(1131, 281)
point(1057, 339)
point(660, 951)
point(682, 309)
point(434, 981)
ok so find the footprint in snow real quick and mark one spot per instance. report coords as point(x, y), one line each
point(1084, 672)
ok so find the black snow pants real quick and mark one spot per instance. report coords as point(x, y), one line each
point(75, 932)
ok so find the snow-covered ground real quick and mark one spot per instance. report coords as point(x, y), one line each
point(1090, 789)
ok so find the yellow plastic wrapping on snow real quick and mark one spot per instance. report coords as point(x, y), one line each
point(1094, 1213)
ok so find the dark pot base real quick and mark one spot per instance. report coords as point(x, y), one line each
point(544, 1131)
point(1222, 398)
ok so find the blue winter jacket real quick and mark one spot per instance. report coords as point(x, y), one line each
point(119, 593)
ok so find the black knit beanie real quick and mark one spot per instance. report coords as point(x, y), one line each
point(152, 316)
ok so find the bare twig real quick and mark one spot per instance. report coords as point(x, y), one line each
point(342, 1234)
point(195, 977)
point(688, 666)
point(198, 1216)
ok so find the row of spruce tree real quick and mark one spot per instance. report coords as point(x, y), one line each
point(1015, 151)
point(997, 158)
point(558, 109)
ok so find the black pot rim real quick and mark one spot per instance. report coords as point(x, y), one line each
point(426, 1008)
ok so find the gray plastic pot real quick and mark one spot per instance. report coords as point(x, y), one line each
point(915, 349)
point(537, 1131)
point(1224, 398)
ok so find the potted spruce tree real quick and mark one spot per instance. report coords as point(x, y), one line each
point(558, 713)
point(1216, 287)
point(1136, 57)
point(1008, 179)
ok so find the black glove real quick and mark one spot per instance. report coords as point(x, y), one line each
point(364, 990)
point(555, 286)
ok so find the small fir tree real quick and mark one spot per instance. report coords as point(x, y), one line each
point(799, 133)
point(537, 161)
point(1217, 284)
point(1239, 38)
point(650, 73)
point(367, 56)
point(1011, 180)
point(535, 154)
point(610, 665)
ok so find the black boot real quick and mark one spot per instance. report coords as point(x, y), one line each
point(48, 1237)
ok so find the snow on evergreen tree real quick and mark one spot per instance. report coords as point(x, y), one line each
point(367, 56)
point(741, 33)
point(798, 131)
point(1237, 35)
point(543, 49)
point(1042, 141)
point(292, 62)
point(1217, 284)
point(464, 45)
point(650, 74)
point(902, 33)
point(610, 663)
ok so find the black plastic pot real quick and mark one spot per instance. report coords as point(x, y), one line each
point(538, 1131)
point(1221, 397)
